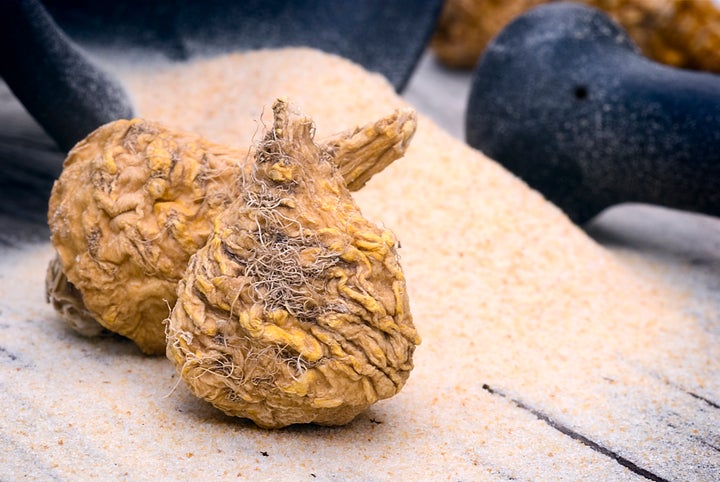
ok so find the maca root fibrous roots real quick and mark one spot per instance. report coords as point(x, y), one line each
point(136, 199)
point(296, 309)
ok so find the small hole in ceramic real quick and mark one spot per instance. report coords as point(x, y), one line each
point(581, 92)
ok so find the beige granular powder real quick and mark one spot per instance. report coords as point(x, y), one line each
point(224, 98)
point(513, 302)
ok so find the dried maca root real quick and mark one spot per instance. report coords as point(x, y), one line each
point(135, 200)
point(67, 301)
point(296, 310)
point(682, 33)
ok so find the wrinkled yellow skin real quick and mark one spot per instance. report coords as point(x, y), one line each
point(136, 199)
point(296, 309)
point(681, 33)
point(132, 204)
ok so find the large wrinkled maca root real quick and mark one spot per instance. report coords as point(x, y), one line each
point(130, 207)
point(682, 33)
point(136, 199)
point(296, 309)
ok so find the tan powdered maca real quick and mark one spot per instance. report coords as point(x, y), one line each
point(136, 199)
point(296, 309)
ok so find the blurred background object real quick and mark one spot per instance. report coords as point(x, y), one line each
point(563, 99)
point(47, 49)
point(682, 33)
point(66, 92)
point(384, 37)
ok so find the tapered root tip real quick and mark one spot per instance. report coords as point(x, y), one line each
point(365, 151)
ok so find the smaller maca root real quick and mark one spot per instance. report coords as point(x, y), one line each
point(68, 303)
point(136, 199)
point(296, 310)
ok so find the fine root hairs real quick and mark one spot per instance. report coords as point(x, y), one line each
point(282, 280)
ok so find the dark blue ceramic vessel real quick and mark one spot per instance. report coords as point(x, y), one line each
point(42, 45)
point(563, 99)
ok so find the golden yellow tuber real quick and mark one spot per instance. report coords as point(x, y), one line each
point(136, 199)
point(296, 309)
point(682, 33)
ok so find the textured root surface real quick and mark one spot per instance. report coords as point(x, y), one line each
point(130, 207)
point(683, 33)
point(296, 310)
point(135, 200)
point(68, 303)
point(365, 151)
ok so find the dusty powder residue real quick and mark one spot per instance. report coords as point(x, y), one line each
point(515, 304)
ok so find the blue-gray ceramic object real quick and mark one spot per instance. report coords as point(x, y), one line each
point(563, 98)
point(66, 93)
point(69, 96)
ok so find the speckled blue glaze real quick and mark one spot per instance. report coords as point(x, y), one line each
point(70, 96)
point(564, 100)
point(66, 93)
point(383, 36)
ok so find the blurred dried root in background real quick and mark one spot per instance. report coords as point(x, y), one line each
point(681, 33)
